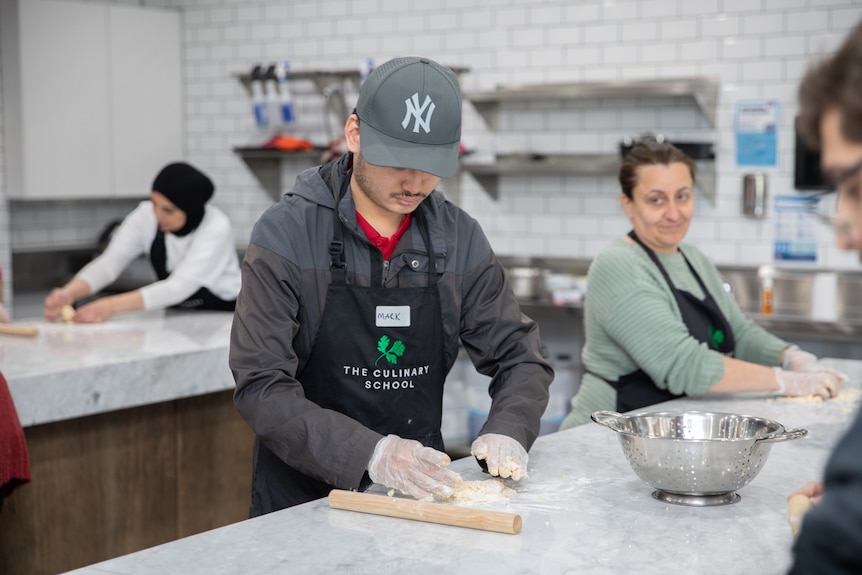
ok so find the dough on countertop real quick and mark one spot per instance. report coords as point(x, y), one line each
point(67, 314)
point(482, 491)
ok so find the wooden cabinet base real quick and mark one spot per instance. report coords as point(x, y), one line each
point(118, 482)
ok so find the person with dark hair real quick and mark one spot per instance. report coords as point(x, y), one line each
point(830, 101)
point(359, 287)
point(658, 322)
point(190, 245)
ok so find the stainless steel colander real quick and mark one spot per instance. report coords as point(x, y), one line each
point(695, 457)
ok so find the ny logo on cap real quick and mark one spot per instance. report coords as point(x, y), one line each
point(414, 110)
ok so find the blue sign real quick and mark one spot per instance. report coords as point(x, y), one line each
point(756, 128)
point(796, 228)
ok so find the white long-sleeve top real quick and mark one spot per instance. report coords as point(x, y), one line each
point(204, 258)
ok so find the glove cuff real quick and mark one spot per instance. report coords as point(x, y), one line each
point(377, 455)
point(785, 355)
point(779, 380)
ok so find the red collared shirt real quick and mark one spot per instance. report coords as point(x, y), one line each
point(386, 245)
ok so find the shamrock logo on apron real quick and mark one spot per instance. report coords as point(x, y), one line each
point(717, 337)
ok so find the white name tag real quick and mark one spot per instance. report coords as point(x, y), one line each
point(393, 316)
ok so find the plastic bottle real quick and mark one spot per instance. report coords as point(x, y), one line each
point(271, 91)
point(288, 115)
point(258, 98)
point(365, 68)
point(767, 279)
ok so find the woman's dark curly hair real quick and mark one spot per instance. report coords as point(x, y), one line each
point(833, 82)
point(650, 153)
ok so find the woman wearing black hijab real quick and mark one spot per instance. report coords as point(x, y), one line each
point(189, 243)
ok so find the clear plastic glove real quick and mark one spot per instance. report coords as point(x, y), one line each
point(412, 468)
point(800, 383)
point(504, 456)
point(795, 359)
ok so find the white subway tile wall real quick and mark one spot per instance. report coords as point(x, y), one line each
point(5, 248)
point(757, 48)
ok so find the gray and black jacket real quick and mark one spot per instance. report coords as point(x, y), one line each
point(285, 276)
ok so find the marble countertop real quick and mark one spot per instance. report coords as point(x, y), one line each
point(583, 509)
point(134, 359)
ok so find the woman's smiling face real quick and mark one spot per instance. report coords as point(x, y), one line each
point(661, 205)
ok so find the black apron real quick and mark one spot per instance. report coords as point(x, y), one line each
point(705, 322)
point(386, 370)
point(201, 299)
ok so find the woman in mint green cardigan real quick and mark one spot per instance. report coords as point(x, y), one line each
point(658, 323)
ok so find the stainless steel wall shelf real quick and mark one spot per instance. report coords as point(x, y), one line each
point(488, 174)
point(265, 164)
point(703, 90)
point(321, 78)
point(324, 78)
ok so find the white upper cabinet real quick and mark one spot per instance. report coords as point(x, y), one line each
point(147, 97)
point(92, 98)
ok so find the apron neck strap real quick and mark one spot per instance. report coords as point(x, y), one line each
point(655, 259)
point(338, 263)
point(419, 215)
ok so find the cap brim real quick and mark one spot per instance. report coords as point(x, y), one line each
point(440, 160)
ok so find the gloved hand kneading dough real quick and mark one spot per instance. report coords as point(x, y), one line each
point(504, 456)
point(412, 468)
point(801, 383)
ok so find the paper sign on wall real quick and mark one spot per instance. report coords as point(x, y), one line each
point(796, 228)
point(756, 127)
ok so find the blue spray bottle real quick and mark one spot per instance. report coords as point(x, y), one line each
point(365, 68)
point(258, 98)
point(287, 112)
point(273, 104)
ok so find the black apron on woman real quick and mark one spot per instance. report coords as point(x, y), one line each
point(202, 299)
point(705, 322)
point(377, 357)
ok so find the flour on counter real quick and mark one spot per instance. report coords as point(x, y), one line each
point(484, 491)
point(846, 399)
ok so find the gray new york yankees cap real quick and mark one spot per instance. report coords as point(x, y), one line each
point(410, 116)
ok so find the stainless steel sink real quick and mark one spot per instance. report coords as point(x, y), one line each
point(801, 294)
point(849, 297)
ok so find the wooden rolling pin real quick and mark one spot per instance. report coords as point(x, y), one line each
point(425, 511)
point(12, 329)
